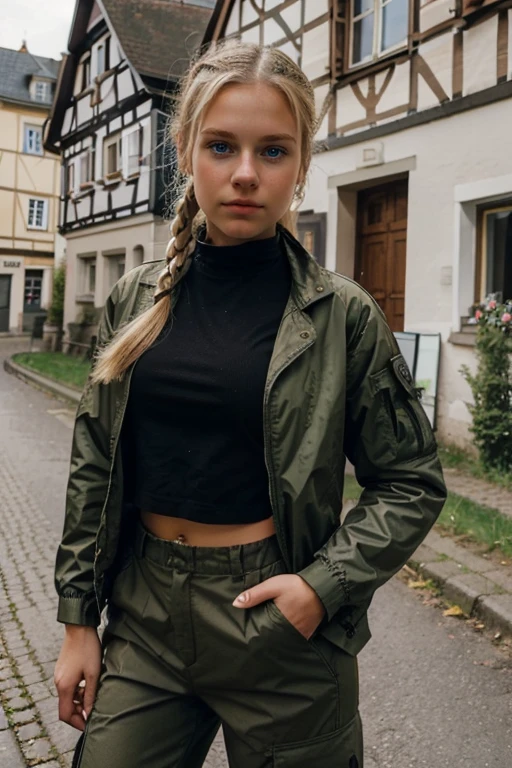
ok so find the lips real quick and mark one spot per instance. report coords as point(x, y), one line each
point(240, 203)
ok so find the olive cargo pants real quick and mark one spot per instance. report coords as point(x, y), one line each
point(180, 660)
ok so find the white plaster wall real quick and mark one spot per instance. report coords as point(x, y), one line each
point(114, 236)
point(435, 13)
point(438, 54)
point(315, 9)
point(448, 153)
point(480, 49)
point(509, 45)
point(232, 25)
point(315, 57)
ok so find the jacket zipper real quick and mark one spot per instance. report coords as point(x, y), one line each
point(267, 439)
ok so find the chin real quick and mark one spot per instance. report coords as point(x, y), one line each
point(244, 230)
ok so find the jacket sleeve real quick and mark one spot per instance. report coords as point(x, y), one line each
point(389, 441)
point(86, 491)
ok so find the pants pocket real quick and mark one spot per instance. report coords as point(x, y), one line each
point(339, 749)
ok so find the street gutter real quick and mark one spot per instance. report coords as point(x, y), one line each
point(41, 382)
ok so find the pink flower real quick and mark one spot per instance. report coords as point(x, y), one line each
point(506, 317)
point(478, 314)
point(492, 304)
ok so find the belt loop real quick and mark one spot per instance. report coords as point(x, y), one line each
point(236, 561)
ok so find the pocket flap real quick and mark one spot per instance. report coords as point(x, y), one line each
point(342, 748)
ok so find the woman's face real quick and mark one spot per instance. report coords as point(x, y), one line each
point(246, 162)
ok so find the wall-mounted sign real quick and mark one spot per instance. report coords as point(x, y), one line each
point(11, 264)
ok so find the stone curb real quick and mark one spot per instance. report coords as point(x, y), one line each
point(41, 382)
point(475, 584)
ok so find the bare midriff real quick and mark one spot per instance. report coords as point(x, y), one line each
point(204, 534)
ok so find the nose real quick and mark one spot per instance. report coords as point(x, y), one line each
point(245, 173)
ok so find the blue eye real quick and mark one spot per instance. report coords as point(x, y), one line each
point(219, 147)
point(274, 152)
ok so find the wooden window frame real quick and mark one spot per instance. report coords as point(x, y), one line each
point(47, 87)
point(377, 53)
point(481, 245)
point(127, 138)
point(110, 176)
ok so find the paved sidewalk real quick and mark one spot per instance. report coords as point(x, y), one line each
point(479, 491)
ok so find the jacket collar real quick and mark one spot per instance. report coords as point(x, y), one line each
point(310, 282)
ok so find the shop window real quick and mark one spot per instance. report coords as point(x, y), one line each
point(494, 274)
point(376, 28)
point(32, 290)
point(33, 140)
point(37, 214)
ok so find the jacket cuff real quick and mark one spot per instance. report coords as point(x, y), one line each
point(81, 610)
point(329, 584)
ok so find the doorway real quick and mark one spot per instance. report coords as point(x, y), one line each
point(382, 247)
point(5, 301)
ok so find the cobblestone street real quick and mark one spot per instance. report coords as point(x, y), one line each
point(434, 691)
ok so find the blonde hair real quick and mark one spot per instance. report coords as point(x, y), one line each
point(225, 63)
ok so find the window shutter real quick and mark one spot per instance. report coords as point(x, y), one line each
point(45, 215)
point(339, 36)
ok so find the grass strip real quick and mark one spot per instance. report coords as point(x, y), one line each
point(453, 457)
point(57, 366)
point(463, 517)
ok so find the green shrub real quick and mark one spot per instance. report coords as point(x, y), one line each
point(56, 311)
point(492, 385)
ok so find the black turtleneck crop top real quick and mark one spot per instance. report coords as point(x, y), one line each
point(192, 439)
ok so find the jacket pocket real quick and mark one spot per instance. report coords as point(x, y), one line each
point(339, 749)
point(399, 424)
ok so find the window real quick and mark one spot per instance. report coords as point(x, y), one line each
point(70, 179)
point(116, 266)
point(496, 253)
point(86, 73)
point(377, 26)
point(42, 91)
point(86, 168)
point(37, 214)
point(87, 275)
point(102, 57)
point(32, 291)
point(33, 140)
point(133, 152)
point(113, 156)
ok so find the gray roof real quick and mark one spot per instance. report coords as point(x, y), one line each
point(17, 70)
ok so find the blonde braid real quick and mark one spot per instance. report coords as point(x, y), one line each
point(135, 337)
point(182, 243)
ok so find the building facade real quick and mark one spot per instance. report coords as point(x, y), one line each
point(413, 169)
point(29, 188)
point(109, 125)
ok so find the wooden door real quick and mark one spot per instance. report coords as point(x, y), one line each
point(382, 241)
point(5, 301)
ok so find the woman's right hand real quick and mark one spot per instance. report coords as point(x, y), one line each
point(79, 662)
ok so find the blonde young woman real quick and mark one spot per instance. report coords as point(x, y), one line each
point(208, 460)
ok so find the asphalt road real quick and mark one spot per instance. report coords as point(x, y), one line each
point(434, 692)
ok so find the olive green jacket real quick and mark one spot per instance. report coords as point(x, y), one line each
point(337, 386)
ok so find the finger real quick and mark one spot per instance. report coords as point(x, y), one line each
point(77, 722)
point(66, 705)
point(89, 695)
point(258, 594)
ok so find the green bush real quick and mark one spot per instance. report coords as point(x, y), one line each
point(56, 311)
point(492, 385)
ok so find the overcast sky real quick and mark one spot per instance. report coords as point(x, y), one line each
point(45, 24)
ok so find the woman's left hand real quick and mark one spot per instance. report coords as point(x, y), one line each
point(296, 600)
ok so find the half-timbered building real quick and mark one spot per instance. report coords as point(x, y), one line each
point(109, 125)
point(411, 183)
point(29, 189)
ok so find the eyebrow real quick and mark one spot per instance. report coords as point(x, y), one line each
point(229, 135)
